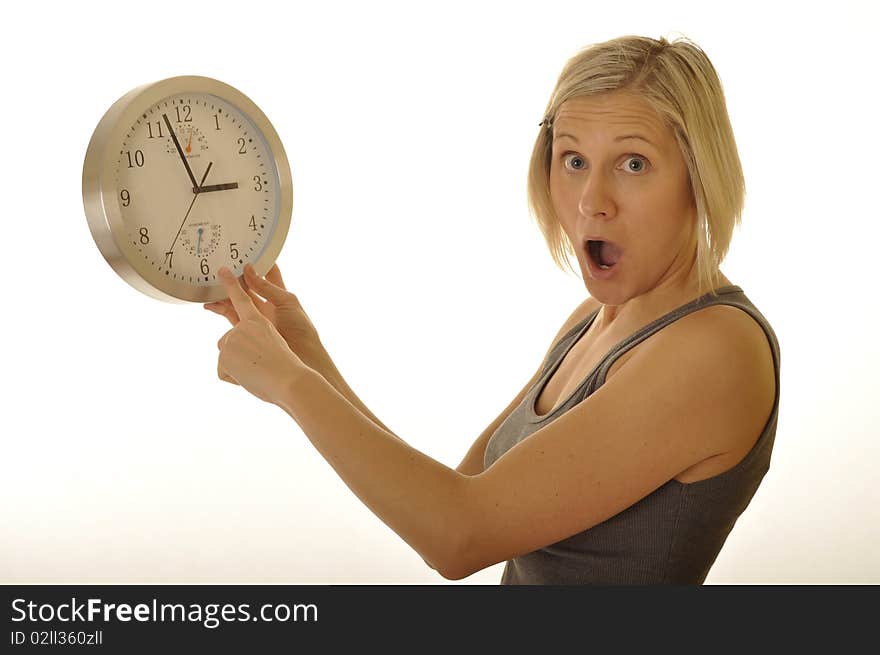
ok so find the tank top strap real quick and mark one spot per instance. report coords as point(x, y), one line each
point(729, 295)
point(561, 346)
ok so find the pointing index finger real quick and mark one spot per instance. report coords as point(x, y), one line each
point(242, 303)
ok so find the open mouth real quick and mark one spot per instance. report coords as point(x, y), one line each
point(604, 254)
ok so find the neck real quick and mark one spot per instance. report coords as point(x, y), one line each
point(649, 306)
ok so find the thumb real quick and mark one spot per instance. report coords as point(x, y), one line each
point(274, 294)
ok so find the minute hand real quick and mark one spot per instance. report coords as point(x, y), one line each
point(218, 187)
point(180, 152)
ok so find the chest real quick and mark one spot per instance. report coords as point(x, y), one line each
point(579, 362)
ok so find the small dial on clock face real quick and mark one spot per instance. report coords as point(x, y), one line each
point(201, 239)
point(190, 139)
point(184, 234)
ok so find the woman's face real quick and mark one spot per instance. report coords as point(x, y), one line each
point(632, 192)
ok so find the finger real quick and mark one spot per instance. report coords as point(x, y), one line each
point(274, 276)
point(224, 310)
point(244, 285)
point(258, 302)
point(223, 376)
point(222, 341)
point(241, 301)
point(271, 292)
point(227, 310)
point(225, 305)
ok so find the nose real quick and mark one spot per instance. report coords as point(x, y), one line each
point(596, 196)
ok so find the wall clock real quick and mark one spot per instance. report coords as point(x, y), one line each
point(183, 176)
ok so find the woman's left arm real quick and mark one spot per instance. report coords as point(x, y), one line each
point(422, 500)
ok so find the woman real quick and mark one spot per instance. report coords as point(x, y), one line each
point(631, 452)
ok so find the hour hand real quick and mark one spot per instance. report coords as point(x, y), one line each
point(180, 152)
point(216, 187)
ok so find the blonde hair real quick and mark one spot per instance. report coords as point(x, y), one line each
point(679, 82)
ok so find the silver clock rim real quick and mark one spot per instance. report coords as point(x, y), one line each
point(99, 193)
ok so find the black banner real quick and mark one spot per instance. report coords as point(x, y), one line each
point(255, 618)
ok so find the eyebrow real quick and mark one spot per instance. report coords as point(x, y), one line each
point(619, 138)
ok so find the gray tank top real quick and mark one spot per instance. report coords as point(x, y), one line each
point(671, 536)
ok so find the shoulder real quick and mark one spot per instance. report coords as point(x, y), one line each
point(719, 327)
point(742, 333)
point(732, 349)
point(728, 331)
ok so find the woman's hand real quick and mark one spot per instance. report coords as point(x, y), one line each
point(253, 353)
point(283, 310)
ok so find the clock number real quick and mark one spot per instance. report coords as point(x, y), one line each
point(253, 223)
point(150, 128)
point(258, 184)
point(169, 258)
point(233, 252)
point(241, 149)
point(126, 197)
point(138, 158)
point(205, 269)
point(187, 110)
point(145, 236)
point(217, 121)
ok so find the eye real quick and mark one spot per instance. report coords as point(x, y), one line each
point(630, 156)
point(638, 158)
point(575, 158)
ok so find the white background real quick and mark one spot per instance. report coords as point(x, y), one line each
point(409, 128)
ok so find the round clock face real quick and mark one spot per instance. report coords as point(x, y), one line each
point(182, 177)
